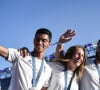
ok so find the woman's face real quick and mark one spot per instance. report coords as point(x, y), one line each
point(78, 57)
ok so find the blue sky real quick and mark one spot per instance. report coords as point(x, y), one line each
point(19, 20)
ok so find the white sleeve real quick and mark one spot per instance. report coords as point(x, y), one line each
point(84, 82)
point(13, 55)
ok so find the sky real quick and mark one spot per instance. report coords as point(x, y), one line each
point(19, 20)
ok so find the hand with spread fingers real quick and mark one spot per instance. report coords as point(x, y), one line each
point(67, 36)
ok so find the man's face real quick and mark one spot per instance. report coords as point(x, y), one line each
point(41, 42)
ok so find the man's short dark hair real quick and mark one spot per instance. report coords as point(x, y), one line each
point(44, 31)
point(98, 42)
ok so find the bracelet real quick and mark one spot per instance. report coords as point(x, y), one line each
point(59, 43)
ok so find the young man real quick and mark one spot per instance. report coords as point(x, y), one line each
point(91, 76)
point(30, 72)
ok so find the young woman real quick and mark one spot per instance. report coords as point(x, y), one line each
point(68, 68)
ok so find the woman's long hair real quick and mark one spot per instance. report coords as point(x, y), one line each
point(69, 54)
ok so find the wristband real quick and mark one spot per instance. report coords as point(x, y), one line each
point(59, 43)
